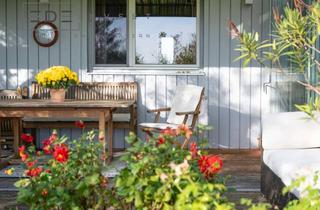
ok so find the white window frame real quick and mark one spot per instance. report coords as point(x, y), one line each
point(131, 46)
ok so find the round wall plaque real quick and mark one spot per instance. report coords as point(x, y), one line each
point(45, 33)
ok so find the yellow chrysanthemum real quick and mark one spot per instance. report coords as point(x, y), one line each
point(57, 77)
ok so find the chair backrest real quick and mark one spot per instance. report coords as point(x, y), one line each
point(187, 98)
point(93, 91)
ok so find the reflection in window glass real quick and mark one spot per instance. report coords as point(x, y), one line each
point(111, 32)
point(166, 32)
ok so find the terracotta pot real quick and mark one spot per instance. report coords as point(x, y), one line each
point(57, 95)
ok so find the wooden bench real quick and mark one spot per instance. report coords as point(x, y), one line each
point(123, 118)
point(6, 125)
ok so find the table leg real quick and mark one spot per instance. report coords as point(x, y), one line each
point(102, 130)
point(17, 130)
point(110, 135)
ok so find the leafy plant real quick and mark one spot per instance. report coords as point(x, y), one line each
point(161, 174)
point(71, 179)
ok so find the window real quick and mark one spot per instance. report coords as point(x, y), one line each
point(158, 32)
point(111, 32)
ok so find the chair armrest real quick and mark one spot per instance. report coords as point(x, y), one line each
point(157, 117)
point(187, 113)
point(167, 109)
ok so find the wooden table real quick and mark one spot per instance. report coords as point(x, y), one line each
point(102, 110)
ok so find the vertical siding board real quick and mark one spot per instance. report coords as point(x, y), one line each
point(161, 91)
point(84, 42)
point(54, 51)
point(265, 75)
point(213, 100)
point(65, 27)
point(33, 53)
point(235, 80)
point(43, 51)
point(76, 36)
point(224, 82)
point(141, 80)
point(3, 45)
point(203, 80)
point(150, 96)
point(171, 88)
point(12, 53)
point(245, 87)
point(255, 97)
point(22, 39)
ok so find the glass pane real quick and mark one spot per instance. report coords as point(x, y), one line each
point(166, 32)
point(111, 32)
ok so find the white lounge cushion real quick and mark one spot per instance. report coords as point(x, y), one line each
point(291, 164)
point(117, 117)
point(289, 130)
point(186, 99)
point(159, 126)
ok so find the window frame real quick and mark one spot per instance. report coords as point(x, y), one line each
point(131, 43)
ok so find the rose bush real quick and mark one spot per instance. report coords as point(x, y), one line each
point(161, 174)
point(71, 179)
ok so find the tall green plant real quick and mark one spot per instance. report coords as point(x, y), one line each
point(294, 38)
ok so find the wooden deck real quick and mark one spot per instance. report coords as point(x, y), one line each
point(242, 166)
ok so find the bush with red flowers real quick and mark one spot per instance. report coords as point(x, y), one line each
point(162, 174)
point(71, 178)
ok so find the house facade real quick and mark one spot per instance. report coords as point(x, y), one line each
point(158, 43)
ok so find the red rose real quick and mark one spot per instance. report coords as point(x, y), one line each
point(184, 130)
point(161, 140)
point(30, 164)
point(27, 138)
point(215, 164)
point(47, 149)
point(53, 137)
point(193, 149)
point(80, 124)
point(22, 153)
point(169, 131)
point(33, 172)
point(210, 165)
point(60, 153)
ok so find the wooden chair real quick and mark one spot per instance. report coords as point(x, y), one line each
point(6, 125)
point(123, 118)
point(185, 109)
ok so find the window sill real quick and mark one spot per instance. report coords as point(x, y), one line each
point(186, 71)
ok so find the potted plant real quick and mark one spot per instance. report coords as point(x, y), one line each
point(58, 79)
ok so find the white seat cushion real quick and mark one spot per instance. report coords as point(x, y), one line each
point(117, 117)
point(291, 164)
point(186, 99)
point(159, 126)
point(290, 130)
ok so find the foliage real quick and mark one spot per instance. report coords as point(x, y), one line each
point(71, 179)
point(161, 174)
point(294, 38)
point(57, 77)
point(310, 198)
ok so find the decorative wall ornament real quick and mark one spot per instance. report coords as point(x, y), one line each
point(45, 34)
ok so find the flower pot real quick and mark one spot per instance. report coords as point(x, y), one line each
point(57, 95)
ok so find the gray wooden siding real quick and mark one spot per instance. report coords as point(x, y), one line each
point(235, 98)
